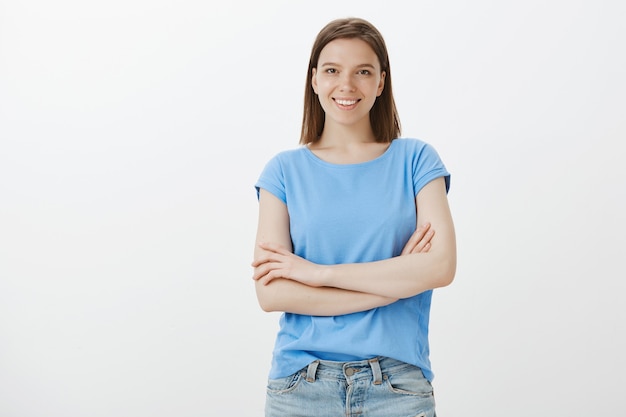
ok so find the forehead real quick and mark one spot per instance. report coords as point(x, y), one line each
point(350, 51)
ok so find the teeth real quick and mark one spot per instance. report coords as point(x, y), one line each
point(346, 102)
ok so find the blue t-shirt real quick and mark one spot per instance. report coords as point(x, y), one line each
point(351, 213)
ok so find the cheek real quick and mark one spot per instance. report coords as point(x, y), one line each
point(322, 82)
point(372, 88)
point(323, 89)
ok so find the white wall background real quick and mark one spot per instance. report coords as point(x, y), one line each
point(131, 133)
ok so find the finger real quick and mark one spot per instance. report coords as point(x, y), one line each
point(422, 243)
point(267, 278)
point(258, 273)
point(266, 257)
point(415, 238)
point(273, 268)
point(263, 270)
point(260, 261)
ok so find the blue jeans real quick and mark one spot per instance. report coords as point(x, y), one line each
point(379, 387)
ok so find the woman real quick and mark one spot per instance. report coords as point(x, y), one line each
point(338, 245)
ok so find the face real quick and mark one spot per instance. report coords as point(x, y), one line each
point(347, 80)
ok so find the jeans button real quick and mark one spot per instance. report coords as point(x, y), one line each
point(350, 371)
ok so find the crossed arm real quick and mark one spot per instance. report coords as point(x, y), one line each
point(287, 282)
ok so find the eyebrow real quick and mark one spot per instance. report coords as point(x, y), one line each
point(333, 64)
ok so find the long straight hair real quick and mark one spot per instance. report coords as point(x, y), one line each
point(383, 115)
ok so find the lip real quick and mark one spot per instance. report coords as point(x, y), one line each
point(346, 103)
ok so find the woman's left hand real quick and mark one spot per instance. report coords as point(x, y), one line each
point(419, 241)
point(275, 261)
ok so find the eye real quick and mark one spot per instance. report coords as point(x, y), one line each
point(364, 72)
point(330, 71)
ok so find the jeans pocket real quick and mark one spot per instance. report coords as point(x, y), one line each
point(409, 381)
point(284, 385)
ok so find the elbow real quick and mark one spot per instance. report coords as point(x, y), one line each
point(440, 276)
point(267, 305)
point(446, 273)
point(268, 308)
point(264, 304)
point(265, 298)
point(444, 266)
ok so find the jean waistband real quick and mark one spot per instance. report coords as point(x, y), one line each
point(369, 368)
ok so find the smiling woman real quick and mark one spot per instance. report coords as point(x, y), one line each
point(348, 85)
point(346, 243)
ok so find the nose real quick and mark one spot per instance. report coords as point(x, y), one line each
point(346, 82)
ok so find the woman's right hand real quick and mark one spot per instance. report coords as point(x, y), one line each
point(419, 242)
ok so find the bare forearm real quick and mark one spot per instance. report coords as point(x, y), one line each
point(416, 270)
point(399, 277)
point(294, 297)
point(409, 274)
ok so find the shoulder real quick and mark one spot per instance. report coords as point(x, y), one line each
point(288, 155)
point(413, 147)
point(283, 159)
point(276, 170)
point(411, 143)
point(423, 159)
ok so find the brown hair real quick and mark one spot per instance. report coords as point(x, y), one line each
point(383, 115)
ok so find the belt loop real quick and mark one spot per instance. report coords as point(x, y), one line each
point(311, 370)
point(377, 373)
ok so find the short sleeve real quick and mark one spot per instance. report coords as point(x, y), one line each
point(427, 165)
point(272, 179)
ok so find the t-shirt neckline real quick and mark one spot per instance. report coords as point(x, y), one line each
point(319, 160)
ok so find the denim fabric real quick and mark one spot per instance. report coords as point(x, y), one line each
point(379, 387)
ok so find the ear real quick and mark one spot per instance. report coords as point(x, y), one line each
point(381, 85)
point(314, 80)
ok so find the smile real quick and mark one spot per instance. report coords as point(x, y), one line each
point(346, 102)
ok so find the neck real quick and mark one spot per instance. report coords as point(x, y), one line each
point(347, 146)
point(337, 134)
